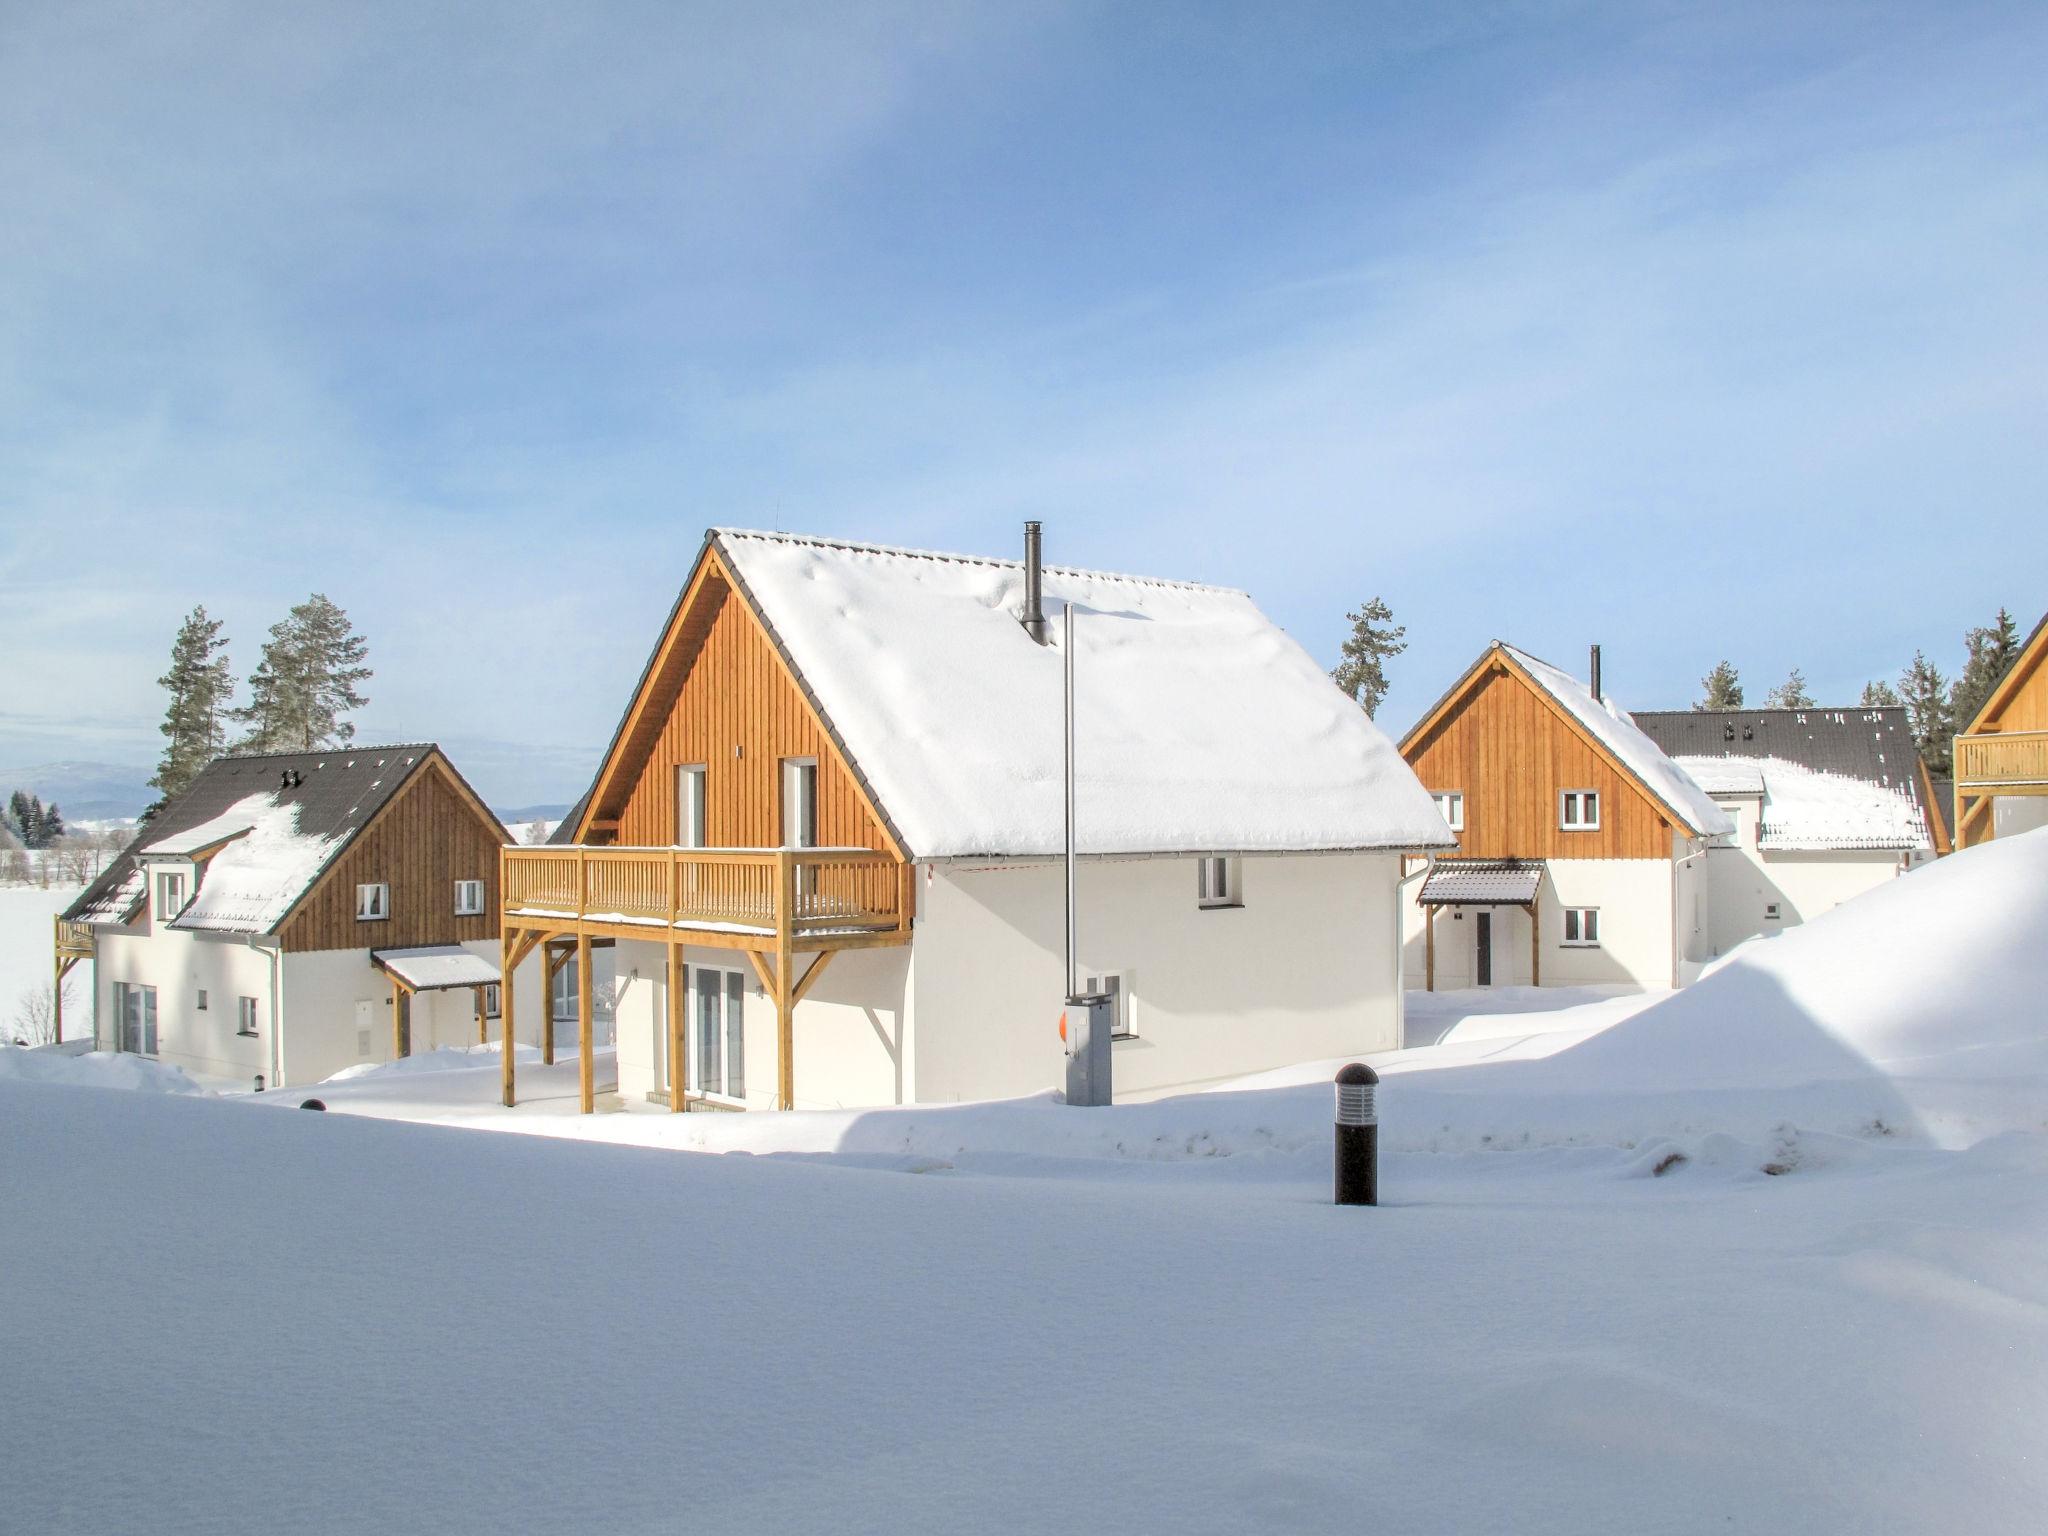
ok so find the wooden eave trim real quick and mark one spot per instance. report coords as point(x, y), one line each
point(657, 659)
point(1454, 696)
point(1937, 828)
point(2032, 656)
point(869, 797)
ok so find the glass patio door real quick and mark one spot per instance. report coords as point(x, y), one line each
point(718, 1047)
point(136, 1010)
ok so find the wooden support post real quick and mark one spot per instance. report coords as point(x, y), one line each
point(678, 1061)
point(1429, 948)
point(57, 998)
point(483, 1036)
point(1535, 947)
point(398, 1040)
point(785, 980)
point(818, 963)
point(507, 963)
point(586, 1066)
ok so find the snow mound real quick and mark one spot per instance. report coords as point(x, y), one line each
point(96, 1069)
point(449, 1058)
point(1914, 1010)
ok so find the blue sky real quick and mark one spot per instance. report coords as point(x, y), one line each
point(1697, 331)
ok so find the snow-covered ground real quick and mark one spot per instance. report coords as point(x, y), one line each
point(1771, 1253)
point(26, 935)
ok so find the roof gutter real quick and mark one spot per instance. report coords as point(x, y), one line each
point(1401, 947)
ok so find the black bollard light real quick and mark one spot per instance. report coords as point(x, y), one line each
point(1358, 1136)
point(259, 1082)
point(311, 1104)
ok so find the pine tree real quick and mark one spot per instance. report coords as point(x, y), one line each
point(306, 682)
point(18, 815)
point(199, 684)
point(49, 826)
point(1790, 694)
point(1362, 674)
point(1992, 651)
point(1723, 688)
point(1879, 695)
point(1924, 692)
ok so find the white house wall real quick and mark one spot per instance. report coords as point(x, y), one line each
point(326, 1027)
point(179, 966)
point(2014, 814)
point(1304, 969)
point(1643, 905)
point(1748, 881)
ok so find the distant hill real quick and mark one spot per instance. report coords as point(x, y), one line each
point(520, 815)
point(84, 791)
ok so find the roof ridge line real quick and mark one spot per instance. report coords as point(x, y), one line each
point(953, 557)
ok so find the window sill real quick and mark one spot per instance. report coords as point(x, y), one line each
point(1220, 906)
point(362, 919)
point(1579, 944)
point(247, 1034)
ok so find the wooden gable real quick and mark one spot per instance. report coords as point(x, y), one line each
point(2020, 701)
point(719, 693)
point(433, 832)
point(1506, 746)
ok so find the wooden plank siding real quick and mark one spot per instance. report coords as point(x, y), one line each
point(735, 694)
point(427, 837)
point(1510, 753)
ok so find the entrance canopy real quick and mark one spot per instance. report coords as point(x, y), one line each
point(435, 967)
point(1482, 883)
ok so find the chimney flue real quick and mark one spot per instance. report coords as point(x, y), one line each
point(1034, 582)
point(1598, 696)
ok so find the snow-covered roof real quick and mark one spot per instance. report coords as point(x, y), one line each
point(1201, 726)
point(1806, 810)
point(1482, 883)
point(1724, 775)
point(436, 967)
point(196, 839)
point(1610, 725)
point(250, 885)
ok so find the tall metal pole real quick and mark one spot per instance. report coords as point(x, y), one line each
point(1067, 639)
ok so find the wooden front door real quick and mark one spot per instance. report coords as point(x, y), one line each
point(1482, 941)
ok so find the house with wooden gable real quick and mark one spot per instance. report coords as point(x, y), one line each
point(291, 914)
point(825, 840)
point(1581, 845)
point(1827, 803)
point(2001, 757)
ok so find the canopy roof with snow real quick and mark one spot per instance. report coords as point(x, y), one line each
point(263, 829)
point(436, 967)
point(1202, 727)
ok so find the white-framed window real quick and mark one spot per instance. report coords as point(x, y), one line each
point(1771, 913)
point(1115, 985)
point(718, 1039)
point(1219, 881)
point(1582, 927)
point(373, 903)
point(1578, 810)
point(1450, 804)
point(469, 898)
point(202, 999)
point(245, 1016)
point(690, 817)
point(493, 1001)
point(170, 894)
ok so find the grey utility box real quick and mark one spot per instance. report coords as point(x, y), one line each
point(1090, 1019)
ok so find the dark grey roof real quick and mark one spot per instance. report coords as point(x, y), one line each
point(1874, 744)
point(565, 829)
point(336, 794)
point(1482, 883)
point(1944, 806)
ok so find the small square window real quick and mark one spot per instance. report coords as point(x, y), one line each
point(1582, 927)
point(1770, 911)
point(170, 895)
point(1217, 882)
point(469, 898)
point(202, 999)
point(245, 1016)
point(1450, 804)
point(1111, 985)
point(373, 903)
point(1578, 810)
point(493, 1008)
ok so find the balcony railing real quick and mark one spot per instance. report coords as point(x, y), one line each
point(2010, 758)
point(807, 893)
point(74, 940)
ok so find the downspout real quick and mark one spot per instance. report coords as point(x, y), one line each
point(1401, 950)
point(273, 954)
point(1706, 847)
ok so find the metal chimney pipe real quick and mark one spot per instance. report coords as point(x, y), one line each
point(1598, 697)
point(1034, 585)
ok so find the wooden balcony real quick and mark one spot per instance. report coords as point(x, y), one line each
point(735, 898)
point(74, 940)
point(2013, 762)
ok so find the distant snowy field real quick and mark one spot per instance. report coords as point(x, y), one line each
point(1768, 1254)
point(26, 915)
